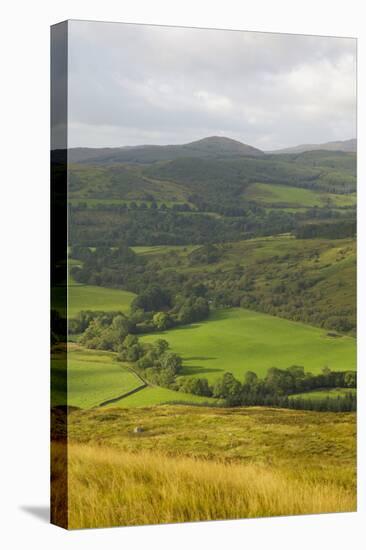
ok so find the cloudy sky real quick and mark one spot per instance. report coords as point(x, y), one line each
point(137, 84)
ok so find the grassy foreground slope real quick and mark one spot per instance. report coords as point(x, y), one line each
point(108, 488)
point(193, 464)
point(238, 340)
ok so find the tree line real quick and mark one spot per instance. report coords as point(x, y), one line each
point(107, 225)
point(277, 388)
point(335, 230)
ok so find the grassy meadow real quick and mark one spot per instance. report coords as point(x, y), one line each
point(191, 464)
point(163, 249)
point(95, 298)
point(321, 394)
point(287, 196)
point(96, 377)
point(238, 340)
point(93, 377)
point(92, 298)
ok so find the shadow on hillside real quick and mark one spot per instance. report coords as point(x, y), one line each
point(185, 327)
point(198, 358)
point(190, 370)
point(217, 315)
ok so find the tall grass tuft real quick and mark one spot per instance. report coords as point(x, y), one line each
point(108, 487)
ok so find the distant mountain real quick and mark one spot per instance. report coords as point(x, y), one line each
point(211, 147)
point(347, 146)
point(217, 145)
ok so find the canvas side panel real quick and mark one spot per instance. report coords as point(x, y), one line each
point(59, 485)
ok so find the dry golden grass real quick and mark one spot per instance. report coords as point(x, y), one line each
point(198, 463)
point(108, 487)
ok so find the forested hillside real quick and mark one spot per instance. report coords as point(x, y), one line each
point(233, 206)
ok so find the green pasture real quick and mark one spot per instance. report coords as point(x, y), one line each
point(90, 297)
point(92, 378)
point(322, 394)
point(273, 194)
point(238, 340)
point(250, 252)
point(343, 200)
point(96, 298)
point(163, 249)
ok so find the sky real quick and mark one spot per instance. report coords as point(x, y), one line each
point(139, 84)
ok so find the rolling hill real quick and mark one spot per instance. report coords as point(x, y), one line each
point(212, 175)
point(212, 181)
point(210, 147)
point(347, 146)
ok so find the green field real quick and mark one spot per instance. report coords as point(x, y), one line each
point(163, 249)
point(92, 378)
point(96, 298)
point(272, 195)
point(238, 340)
point(344, 200)
point(93, 298)
point(322, 394)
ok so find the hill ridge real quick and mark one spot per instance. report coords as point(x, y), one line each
point(347, 146)
point(207, 147)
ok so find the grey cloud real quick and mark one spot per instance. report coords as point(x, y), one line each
point(135, 84)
